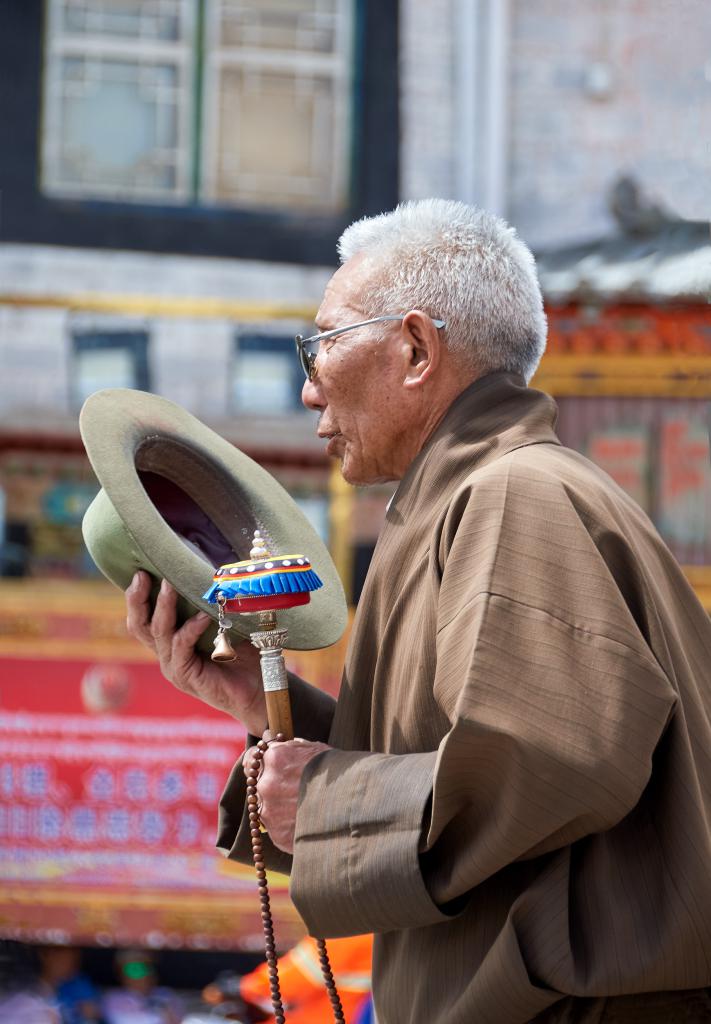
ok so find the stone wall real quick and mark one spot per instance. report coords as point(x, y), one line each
point(189, 358)
point(602, 89)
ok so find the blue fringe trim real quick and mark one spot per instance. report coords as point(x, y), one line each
point(274, 583)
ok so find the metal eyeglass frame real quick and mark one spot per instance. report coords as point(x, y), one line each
point(308, 359)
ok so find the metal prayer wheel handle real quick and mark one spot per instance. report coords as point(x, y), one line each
point(269, 641)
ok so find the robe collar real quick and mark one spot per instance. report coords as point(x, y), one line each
point(494, 415)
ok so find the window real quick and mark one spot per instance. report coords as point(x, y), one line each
point(117, 79)
point(266, 375)
point(109, 360)
point(277, 102)
point(252, 129)
point(238, 102)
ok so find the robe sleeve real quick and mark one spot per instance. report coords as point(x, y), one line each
point(312, 712)
point(555, 704)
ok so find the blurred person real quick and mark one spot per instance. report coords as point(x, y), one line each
point(140, 1000)
point(513, 789)
point(24, 999)
point(76, 995)
point(222, 996)
point(301, 982)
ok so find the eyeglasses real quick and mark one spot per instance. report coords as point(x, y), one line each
point(307, 348)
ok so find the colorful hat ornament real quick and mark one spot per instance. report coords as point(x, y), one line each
point(264, 582)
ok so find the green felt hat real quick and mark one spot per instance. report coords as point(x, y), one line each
point(178, 501)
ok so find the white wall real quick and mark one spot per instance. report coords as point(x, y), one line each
point(570, 137)
point(189, 358)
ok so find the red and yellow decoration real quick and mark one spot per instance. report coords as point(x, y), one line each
point(263, 582)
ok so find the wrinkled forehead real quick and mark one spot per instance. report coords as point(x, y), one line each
point(346, 293)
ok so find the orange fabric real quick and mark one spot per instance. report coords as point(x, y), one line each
point(302, 987)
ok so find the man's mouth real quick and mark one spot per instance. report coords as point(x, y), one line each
point(332, 439)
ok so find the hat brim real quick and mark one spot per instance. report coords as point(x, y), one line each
point(160, 468)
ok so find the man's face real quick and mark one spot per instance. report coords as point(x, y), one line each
point(358, 384)
point(60, 962)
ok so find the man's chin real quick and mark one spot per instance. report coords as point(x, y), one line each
point(348, 475)
point(350, 470)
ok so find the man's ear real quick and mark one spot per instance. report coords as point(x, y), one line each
point(422, 348)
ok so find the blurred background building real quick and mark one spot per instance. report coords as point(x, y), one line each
point(174, 175)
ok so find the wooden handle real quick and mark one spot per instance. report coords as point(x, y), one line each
point(279, 713)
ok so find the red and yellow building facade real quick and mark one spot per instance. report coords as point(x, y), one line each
point(109, 778)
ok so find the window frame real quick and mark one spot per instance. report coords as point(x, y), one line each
point(220, 58)
point(133, 341)
point(31, 216)
point(145, 54)
point(264, 340)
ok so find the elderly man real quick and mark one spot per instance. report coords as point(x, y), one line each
point(512, 790)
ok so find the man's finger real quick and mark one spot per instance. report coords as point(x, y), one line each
point(138, 609)
point(190, 632)
point(163, 622)
point(185, 661)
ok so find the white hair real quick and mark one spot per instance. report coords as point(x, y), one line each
point(459, 264)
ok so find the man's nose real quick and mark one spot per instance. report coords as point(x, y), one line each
point(312, 396)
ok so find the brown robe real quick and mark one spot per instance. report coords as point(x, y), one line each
point(519, 803)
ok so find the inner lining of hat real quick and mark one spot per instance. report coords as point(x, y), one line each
point(208, 510)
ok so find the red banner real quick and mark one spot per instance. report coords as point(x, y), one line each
point(108, 757)
point(109, 783)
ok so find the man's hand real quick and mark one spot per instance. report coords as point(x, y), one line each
point(278, 786)
point(234, 687)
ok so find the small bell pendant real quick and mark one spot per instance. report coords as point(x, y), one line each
point(224, 651)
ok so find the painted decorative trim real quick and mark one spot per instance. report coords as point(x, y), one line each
point(668, 376)
point(162, 306)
